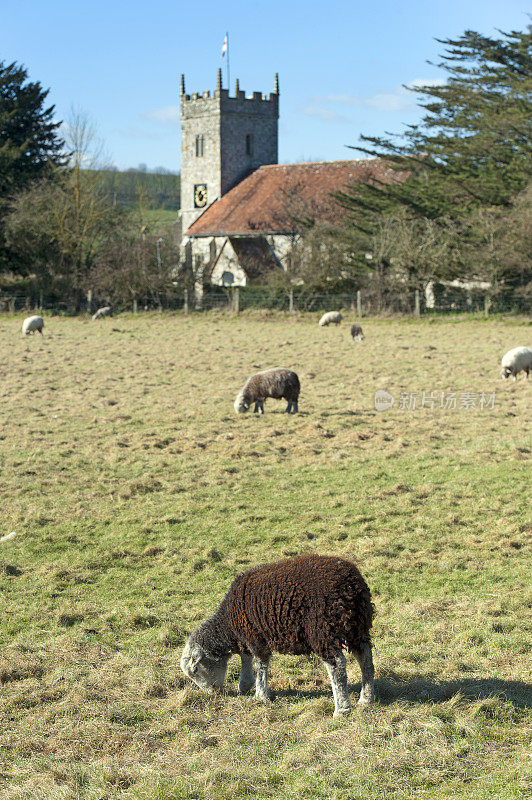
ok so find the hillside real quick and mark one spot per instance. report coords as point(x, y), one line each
point(158, 189)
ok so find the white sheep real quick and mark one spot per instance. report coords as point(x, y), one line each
point(331, 317)
point(32, 324)
point(516, 360)
point(106, 311)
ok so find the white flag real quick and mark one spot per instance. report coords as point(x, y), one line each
point(224, 47)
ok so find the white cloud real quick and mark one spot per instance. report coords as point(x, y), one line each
point(325, 114)
point(167, 115)
point(396, 99)
point(417, 82)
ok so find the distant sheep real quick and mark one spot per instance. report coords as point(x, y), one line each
point(32, 324)
point(515, 361)
point(106, 311)
point(278, 382)
point(357, 334)
point(308, 604)
point(331, 317)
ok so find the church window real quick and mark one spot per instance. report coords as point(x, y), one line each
point(249, 144)
point(199, 145)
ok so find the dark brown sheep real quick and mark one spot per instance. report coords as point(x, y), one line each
point(308, 604)
point(278, 382)
point(357, 333)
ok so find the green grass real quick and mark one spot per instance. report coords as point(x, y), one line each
point(136, 494)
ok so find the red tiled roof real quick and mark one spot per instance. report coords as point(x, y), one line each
point(270, 197)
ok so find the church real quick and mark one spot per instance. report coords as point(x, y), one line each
point(238, 204)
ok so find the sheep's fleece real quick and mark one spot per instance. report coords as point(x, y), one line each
point(307, 604)
point(516, 360)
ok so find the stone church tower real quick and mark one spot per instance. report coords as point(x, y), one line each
point(223, 139)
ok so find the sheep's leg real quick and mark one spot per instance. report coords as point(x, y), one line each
point(338, 677)
point(261, 406)
point(365, 660)
point(262, 691)
point(294, 407)
point(257, 404)
point(288, 407)
point(247, 679)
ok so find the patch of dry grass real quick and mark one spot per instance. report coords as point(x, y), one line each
point(136, 494)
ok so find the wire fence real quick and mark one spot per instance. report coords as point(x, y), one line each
point(237, 299)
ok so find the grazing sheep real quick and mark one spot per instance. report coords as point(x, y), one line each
point(329, 318)
point(106, 311)
point(516, 360)
point(308, 604)
point(357, 333)
point(32, 324)
point(278, 382)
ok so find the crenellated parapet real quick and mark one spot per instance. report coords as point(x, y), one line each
point(256, 102)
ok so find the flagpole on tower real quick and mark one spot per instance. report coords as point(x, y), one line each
point(228, 78)
point(225, 53)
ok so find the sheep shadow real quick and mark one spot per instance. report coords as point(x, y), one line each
point(425, 690)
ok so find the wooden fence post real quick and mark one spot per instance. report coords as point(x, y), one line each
point(417, 306)
point(359, 303)
point(487, 305)
point(291, 301)
point(89, 301)
point(185, 301)
point(135, 306)
point(236, 300)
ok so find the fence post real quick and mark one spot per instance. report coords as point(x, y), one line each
point(417, 307)
point(359, 303)
point(487, 305)
point(291, 302)
point(89, 301)
point(185, 301)
point(135, 306)
point(236, 300)
point(40, 301)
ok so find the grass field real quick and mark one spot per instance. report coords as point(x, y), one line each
point(136, 494)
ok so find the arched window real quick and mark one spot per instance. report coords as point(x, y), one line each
point(199, 145)
point(249, 144)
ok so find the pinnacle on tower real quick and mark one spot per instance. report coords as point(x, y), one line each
point(237, 87)
point(219, 84)
point(276, 84)
point(182, 84)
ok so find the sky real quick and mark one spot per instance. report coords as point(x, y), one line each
point(342, 65)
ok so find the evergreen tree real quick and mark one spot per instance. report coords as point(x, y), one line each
point(29, 142)
point(472, 148)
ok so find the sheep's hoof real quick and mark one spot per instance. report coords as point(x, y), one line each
point(264, 698)
point(365, 705)
point(341, 713)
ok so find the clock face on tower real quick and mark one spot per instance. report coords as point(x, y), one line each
point(200, 195)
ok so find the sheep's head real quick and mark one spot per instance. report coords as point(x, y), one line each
point(506, 372)
point(206, 671)
point(241, 406)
